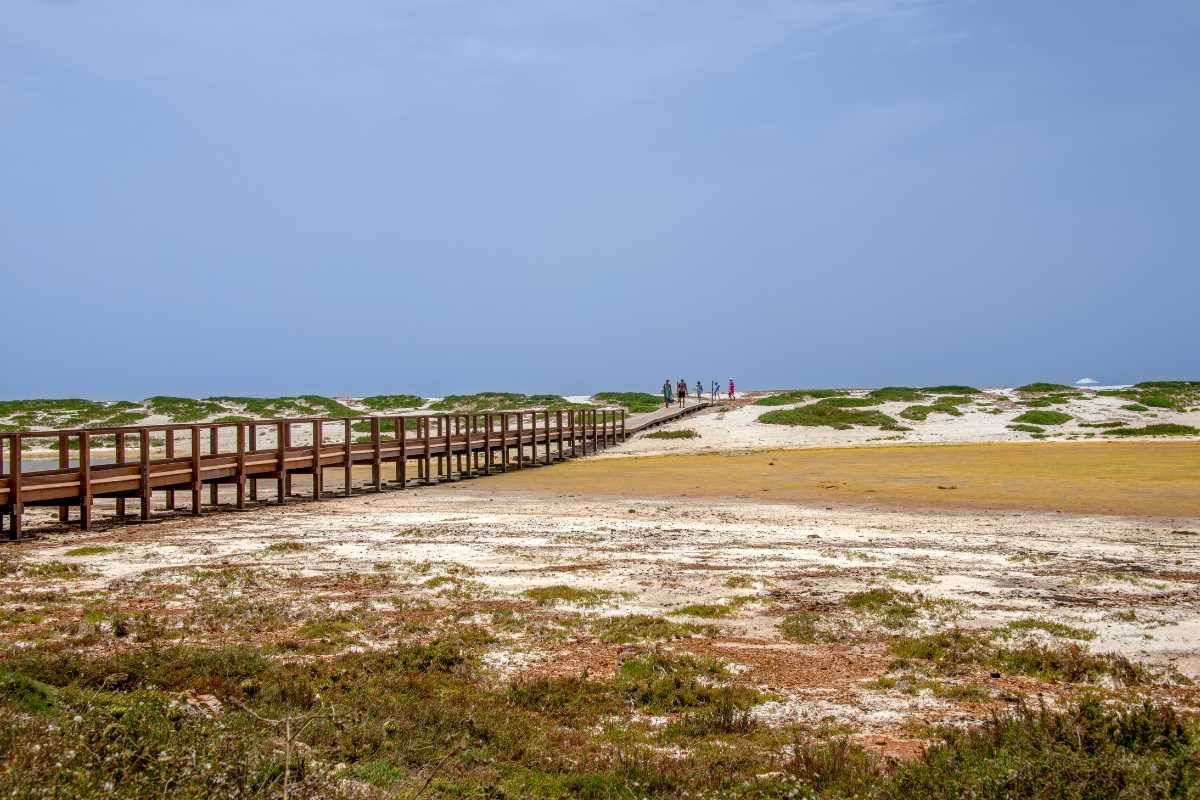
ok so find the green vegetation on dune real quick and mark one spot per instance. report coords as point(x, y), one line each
point(798, 396)
point(306, 405)
point(633, 402)
point(389, 402)
point(950, 390)
point(1039, 417)
point(830, 414)
point(1045, 388)
point(183, 409)
point(680, 434)
point(502, 401)
point(1022, 428)
point(1173, 395)
point(943, 405)
point(901, 394)
point(1157, 430)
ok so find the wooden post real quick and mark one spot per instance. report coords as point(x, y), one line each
point(281, 481)
point(252, 446)
point(427, 461)
point(447, 431)
point(503, 442)
point(349, 455)
point(487, 442)
point(402, 464)
point(170, 455)
point(623, 436)
point(241, 466)
point(16, 507)
point(85, 481)
point(520, 439)
point(214, 447)
point(318, 430)
point(196, 482)
point(64, 462)
point(604, 428)
point(558, 429)
point(144, 475)
point(376, 456)
point(546, 415)
point(287, 443)
point(467, 445)
point(119, 444)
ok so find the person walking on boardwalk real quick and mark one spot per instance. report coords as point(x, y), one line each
point(666, 390)
point(731, 388)
point(716, 390)
point(699, 392)
point(681, 392)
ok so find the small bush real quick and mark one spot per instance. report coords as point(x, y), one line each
point(1045, 388)
point(553, 595)
point(902, 394)
point(681, 434)
point(1044, 417)
point(1023, 428)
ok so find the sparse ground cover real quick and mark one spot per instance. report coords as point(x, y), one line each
point(840, 413)
point(678, 433)
point(501, 401)
point(633, 402)
point(603, 629)
point(659, 647)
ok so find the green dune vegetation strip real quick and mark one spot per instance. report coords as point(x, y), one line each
point(833, 412)
point(633, 402)
point(943, 405)
point(680, 434)
point(798, 396)
point(1156, 430)
point(1041, 387)
point(1039, 417)
point(1172, 395)
point(502, 401)
point(390, 402)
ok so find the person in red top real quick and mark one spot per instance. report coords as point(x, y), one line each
point(731, 388)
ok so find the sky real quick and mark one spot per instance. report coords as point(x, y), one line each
point(431, 196)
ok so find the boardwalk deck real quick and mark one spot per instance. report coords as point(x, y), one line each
point(190, 457)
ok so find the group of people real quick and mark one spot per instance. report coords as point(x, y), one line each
point(678, 392)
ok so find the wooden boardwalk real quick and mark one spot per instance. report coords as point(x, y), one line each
point(184, 459)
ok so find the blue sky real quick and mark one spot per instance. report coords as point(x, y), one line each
point(367, 197)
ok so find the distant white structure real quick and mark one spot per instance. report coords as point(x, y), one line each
point(1086, 382)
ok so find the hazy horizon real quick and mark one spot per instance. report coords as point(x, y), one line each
point(438, 197)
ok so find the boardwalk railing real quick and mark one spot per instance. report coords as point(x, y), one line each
point(186, 458)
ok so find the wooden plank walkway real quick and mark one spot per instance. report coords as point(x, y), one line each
point(444, 447)
point(640, 422)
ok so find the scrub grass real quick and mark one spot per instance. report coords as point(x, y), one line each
point(389, 402)
point(1045, 388)
point(645, 628)
point(502, 401)
point(798, 396)
point(681, 434)
point(902, 394)
point(420, 719)
point(633, 402)
point(1024, 428)
point(823, 413)
point(562, 594)
point(1157, 430)
point(943, 405)
point(1039, 417)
